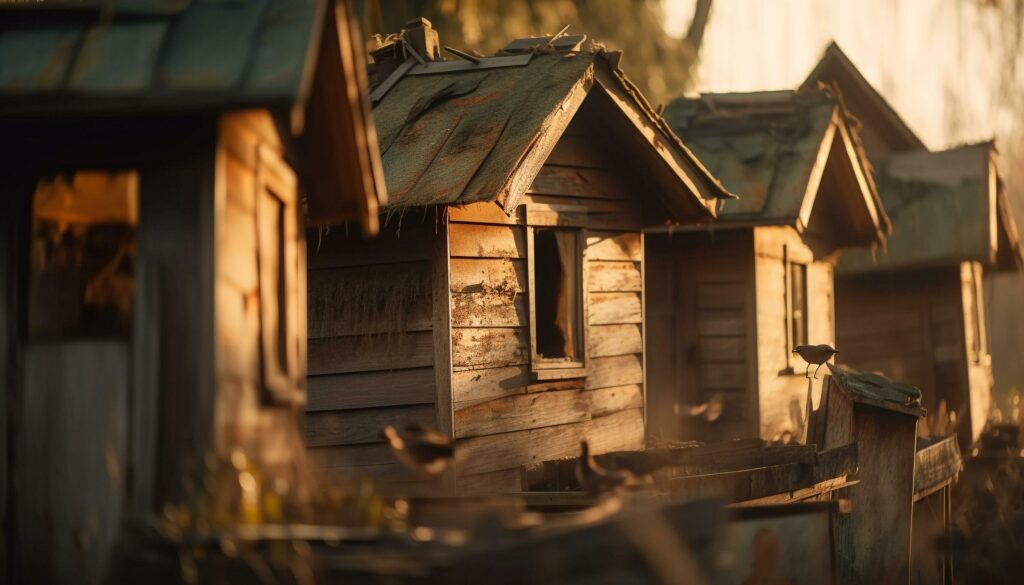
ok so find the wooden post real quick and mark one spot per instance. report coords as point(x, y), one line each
point(873, 543)
point(442, 329)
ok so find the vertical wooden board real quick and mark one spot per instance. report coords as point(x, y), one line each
point(490, 347)
point(489, 309)
point(605, 401)
point(614, 308)
point(370, 389)
point(620, 431)
point(612, 340)
point(521, 412)
point(613, 277)
point(443, 341)
point(236, 254)
point(487, 241)
point(488, 275)
point(334, 248)
point(338, 355)
point(620, 246)
point(348, 427)
point(238, 321)
point(470, 386)
point(721, 295)
point(614, 371)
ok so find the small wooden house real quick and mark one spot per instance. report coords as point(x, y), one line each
point(156, 156)
point(504, 301)
point(727, 303)
point(917, 309)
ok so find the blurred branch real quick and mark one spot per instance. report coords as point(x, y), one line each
point(701, 15)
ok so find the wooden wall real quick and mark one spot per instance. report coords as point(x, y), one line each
point(501, 419)
point(782, 386)
point(248, 161)
point(910, 326)
point(701, 334)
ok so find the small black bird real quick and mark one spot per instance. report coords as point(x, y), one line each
point(424, 450)
point(815, 354)
point(596, 479)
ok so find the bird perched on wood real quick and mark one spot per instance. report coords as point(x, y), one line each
point(595, 479)
point(815, 355)
point(424, 450)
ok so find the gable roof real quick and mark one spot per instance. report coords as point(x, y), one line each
point(774, 148)
point(156, 57)
point(468, 133)
point(862, 98)
point(947, 207)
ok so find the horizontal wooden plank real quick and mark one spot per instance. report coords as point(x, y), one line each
point(334, 248)
point(580, 182)
point(387, 473)
point(525, 411)
point(487, 241)
point(490, 347)
point(339, 355)
point(723, 349)
point(721, 295)
point(497, 275)
point(486, 212)
point(585, 204)
point(605, 401)
point(579, 151)
point(351, 455)
point(489, 309)
point(369, 299)
point(615, 371)
point(723, 376)
point(620, 431)
point(614, 277)
point(469, 386)
point(721, 322)
point(609, 340)
point(614, 308)
point(494, 482)
point(348, 427)
point(370, 389)
point(614, 246)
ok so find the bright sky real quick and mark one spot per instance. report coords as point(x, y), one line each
point(929, 58)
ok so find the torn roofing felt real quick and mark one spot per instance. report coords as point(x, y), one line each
point(878, 390)
point(766, 146)
point(947, 207)
point(462, 136)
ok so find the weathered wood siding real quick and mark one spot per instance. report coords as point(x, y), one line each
point(910, 325)
point(502, 420)
point(782, 386)
point(249, 151)
point(701, 334)
point(371, 345)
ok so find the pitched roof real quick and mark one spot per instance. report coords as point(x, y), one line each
point(862, 98)
point(773, 149)
point(480, 133)
point(947, 207)
point(155, 57)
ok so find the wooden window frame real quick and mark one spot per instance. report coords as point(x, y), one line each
point(557, 217)
point(790, 258)
point(276, 183)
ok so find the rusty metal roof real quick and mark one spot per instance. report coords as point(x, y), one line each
point(946, 207)
point(150, 55)
point(764, 146)
point(460, 135)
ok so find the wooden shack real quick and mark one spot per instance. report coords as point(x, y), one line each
point(880, 416)
point(917, 309)
point(727, 303)
point(155, 160)
point(504, 301)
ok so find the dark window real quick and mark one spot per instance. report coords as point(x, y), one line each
point(82, 270)
point(798, 309)
point(557, 295)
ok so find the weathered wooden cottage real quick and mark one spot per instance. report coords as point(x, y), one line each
point(156, 158)
point(917, 309)
point(504, 301)
point(727, 303)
